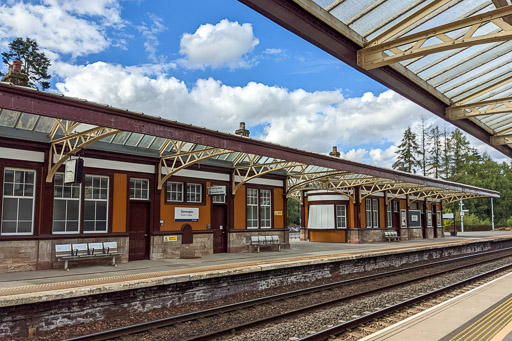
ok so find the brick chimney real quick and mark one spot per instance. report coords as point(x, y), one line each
point(335, 152)
point(15, 76)
point(242, 131)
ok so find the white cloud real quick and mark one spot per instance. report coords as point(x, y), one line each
point(223, 44)
point(313, 121)
point(52, 27)
point(150, 32)
point(110, 10)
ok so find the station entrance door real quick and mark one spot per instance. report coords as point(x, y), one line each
point(219, 225)
point(138, 230)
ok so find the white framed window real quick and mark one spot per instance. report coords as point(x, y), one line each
point(429, 218)
point(252, 208)
point(395, 206)
point(439, 219)
point(265, 208)
point(96, 204)
point(18, 202)
point(139, 189)
point(389, 216)
point(341, 216)
point(194, 193)
point(219, 199)
point(175, 191)
point(66, 206)
point(368, 208)
point(375, 203)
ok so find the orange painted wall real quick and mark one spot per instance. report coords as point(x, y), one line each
point(338, 236)
point(363, 214)
point(167, 214)
point(239, 208)
point(351, 214)
point(119, 202)
point(403, 204)
point(382, 213)
point(278, 206)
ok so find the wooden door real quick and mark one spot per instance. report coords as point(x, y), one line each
point(139, 230)
point(219, 222)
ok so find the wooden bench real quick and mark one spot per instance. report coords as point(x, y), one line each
point(82, 251)
point(265, 241)
point(391, 235)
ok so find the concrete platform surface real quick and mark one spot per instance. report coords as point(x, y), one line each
point(35, 286)
point(480, 314)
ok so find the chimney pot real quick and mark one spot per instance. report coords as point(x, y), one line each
point(16, 65)
point(242, 131)
point(335, 152)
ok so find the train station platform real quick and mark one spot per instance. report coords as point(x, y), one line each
point(18, 288)
point(484, 313)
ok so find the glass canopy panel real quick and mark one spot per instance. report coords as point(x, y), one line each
point(45, 124)
point(383, 14)
point(456, 95)
point(27, 121)
point(120, 138)
point(466, 86)
point(232, 156)
point(157, 143)
point(9, 118)
point(108, 139)
point(133, 140)
point(146, 141)
point(460, 10)
point(350, 8)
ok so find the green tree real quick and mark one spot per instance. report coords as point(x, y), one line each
point(447, 155)
point(462, 152)
point(406, 153)
point(34, 62)
point(293, 212)
point(423, 150)
point(435, 152)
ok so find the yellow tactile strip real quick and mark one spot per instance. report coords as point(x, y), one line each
point(59, 290)
point(487, 324)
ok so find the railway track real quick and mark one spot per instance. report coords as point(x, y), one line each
point(361, 326)
point(286, 305)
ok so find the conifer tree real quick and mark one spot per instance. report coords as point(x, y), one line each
point(34, 63)
point(406, 159)
point(435, 159)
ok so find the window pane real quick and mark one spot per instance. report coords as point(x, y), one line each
point(8, 227)
point(18, 189)
point(59, 226)
point(59, 210)
point(101, 210)
point(88, 226)
point(89, 210)
point(101, 226)
point(25, 209)
point(9, 175)
point(8, 189)
point(29, 178)
point(10, 209)
point(72, 226)
point(24, 227)
point(73, 207)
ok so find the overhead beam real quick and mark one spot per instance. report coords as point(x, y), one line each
point(498, 106)
point(501, 139)
point(413, 45)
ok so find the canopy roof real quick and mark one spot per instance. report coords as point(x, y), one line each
point(450, 56)
point(70, 125)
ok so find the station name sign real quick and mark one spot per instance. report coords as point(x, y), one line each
point(216, 190)
point(186, 214)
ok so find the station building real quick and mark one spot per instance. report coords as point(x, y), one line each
point(162, 189)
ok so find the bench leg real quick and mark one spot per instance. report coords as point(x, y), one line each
point(66, 265)
point(114, 261)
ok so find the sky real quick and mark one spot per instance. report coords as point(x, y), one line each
point(215, 64)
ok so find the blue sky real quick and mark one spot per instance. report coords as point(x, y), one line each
point(214, 64)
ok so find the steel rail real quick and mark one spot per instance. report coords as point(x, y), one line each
point(343, 327)
point(170, 321)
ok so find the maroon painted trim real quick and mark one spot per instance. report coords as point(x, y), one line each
point(298, 20)
point(272, 229)
point(57, 106)
point(166, 233)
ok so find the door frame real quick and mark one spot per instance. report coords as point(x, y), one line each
point(153, 206)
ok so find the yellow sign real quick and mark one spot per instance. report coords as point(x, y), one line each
point(278, 212)
point(170, 238)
